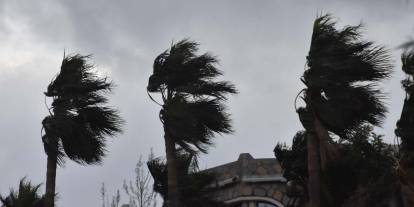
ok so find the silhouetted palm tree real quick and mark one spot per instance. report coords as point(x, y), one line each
point(79, 122)
point(341, 76)
point(26, 196)
point(192, 109)
point(405, 131)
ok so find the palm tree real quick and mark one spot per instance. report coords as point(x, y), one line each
point(192, 109)
point(405, 132)
point(26, 196)
point(341, 94)
point(79, 122)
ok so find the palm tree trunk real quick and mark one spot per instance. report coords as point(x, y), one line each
point(50, 181)
point(314, 154)
point(327, 150)
point(314, 170)
point(172, 176)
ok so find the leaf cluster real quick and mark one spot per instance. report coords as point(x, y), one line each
point(405, 124)
point(26, 196)
point(342, 77)
point(193, 109)
point(365, 169)
point(79, 121)
point(194, 185)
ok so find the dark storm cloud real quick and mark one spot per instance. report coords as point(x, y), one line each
point(262, 46)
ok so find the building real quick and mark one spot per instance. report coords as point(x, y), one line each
point(250, 182)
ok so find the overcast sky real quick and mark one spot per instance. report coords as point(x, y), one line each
point(261, 44)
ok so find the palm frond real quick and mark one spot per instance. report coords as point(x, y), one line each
point(343, 75)
point(193, 110)
point(80, 120)
point(198, 89)
point(26, 196)
point(187, 72)
point(195, 123)
point(343, 109)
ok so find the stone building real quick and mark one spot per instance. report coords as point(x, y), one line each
point(250, 182)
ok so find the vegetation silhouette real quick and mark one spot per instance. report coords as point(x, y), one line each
point(79, 121)
point(26, 196)
point(405, 131)
point(336, 161)
point(192, 104)
point(362, 175)
point(194, 185)
point(341, 95)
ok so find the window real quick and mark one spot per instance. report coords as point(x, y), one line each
point(262, 204)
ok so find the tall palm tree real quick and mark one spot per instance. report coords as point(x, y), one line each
point(192, 109)
point(405, 131)
point(341, 94)
point(79, 121)
point(26, 196)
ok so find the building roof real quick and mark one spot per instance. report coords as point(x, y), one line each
point(248, 169)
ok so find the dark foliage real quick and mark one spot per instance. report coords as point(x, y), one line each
point(294, 162)
point(193, 184)
point(26, 196)
point(193, 110)
point(405, 129)
point(405, 132)
point(367, 167)
point(179, 69)
point(342, 76)
point(194, 122)
point(79, 122)
point(363, 175)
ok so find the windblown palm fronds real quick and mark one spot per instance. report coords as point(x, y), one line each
point(341, 94)
point(342, 77)
point(79, 121)
point(26, 196)
point(192, 109)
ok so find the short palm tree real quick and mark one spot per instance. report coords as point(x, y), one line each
point(193, 184)
point(26, 196)
point(192, 109)
point(79, 122)
point(405, 131)
point(340, 95)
